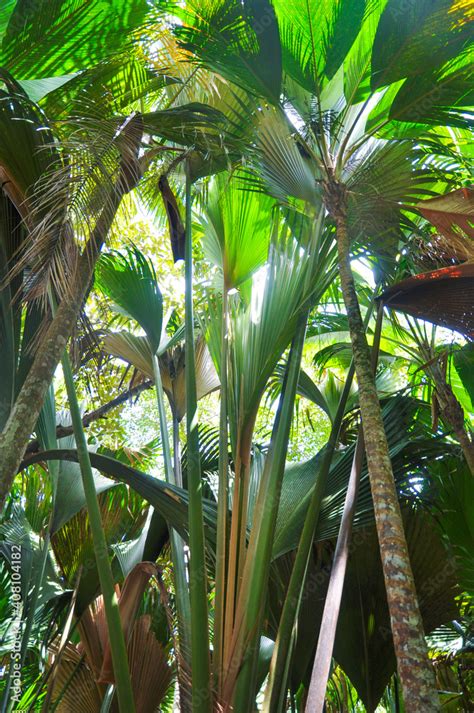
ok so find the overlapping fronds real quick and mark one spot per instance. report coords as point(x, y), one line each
point(235, 40)
point(57, 38)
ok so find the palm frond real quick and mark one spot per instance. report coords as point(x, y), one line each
point(62, 37)
point(129, 279)
point(235, 225)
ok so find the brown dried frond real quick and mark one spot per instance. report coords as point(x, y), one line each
point(453, 216)
point(444, 296)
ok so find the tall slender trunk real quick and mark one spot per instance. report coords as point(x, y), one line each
point(252, 597)
point(222, 507)
point(200, 660)
point(183, 609)
point(118, 645)
point(416, 673)
point(332, 605)
point(24, 415)
point(276, 689)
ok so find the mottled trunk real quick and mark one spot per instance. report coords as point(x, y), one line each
point(24, 415)
point(415, 672)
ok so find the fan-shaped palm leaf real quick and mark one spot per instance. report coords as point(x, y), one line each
point(235, 229)
point(129, 280)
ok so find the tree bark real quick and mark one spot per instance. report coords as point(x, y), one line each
point(415, 671)
point(452, 413)
point(24, 415)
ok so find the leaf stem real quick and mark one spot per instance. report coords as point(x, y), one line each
point(201, 691)
point(112, 614)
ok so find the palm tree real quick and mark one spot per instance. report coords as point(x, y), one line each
point(339, 146)
point(69, 184)
point(353, 81)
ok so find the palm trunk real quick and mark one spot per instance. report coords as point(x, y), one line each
point(415, 672)
point(276, 689)
point(24, 415)
point(252, 597)
point(222, 508)
point(183, 610)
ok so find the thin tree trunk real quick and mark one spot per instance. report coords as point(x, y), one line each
point(222, 508)
point(415, 671)
point(200, 658)
point(452, 413)
point(332, 605)
point(276, 689)
point(183, 609)
point(252, 597)
point(24, 415)
point(116, 634)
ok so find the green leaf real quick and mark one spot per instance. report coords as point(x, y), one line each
point(236, 39)
point(414, 37)
point(50, 39)
point(37, 89)
point(70, 497)
point(26, 143)
point(442, 98)
point(282, 161)
point(316, 36)
point(453, 499)
point(463, 359)
point(236, 229)
point(170, 500)
point(343, 28)
point(194, 124)
point(408, 451)
point(129, 280)
point(109, 87)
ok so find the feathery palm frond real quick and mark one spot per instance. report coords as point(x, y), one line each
point(57, 38)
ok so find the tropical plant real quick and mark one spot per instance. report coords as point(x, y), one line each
point(301, 161)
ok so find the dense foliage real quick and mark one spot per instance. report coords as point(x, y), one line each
point(236, 323)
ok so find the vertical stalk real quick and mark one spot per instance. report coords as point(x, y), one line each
point(222, 505)
point(112, 614)
point(332, 605)
point(252, 597)
point(26, 409)
point(201, 692)
point(178, 475)
point(177, 545)
point(236, 554)
point(416, 673)
point(275, 692)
